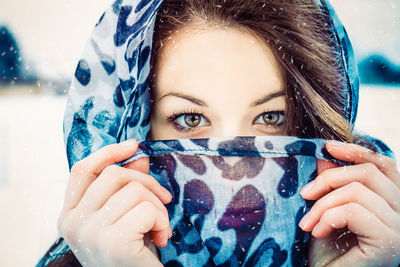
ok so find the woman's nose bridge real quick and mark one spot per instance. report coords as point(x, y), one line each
point(232, 118)
point(233, 128)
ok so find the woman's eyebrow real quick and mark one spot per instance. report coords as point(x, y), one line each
point(187, 97)
point(266, 98)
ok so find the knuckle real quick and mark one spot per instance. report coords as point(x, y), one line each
point(147, 205)
point(67, 228)
point(370, 167)
point(388, 162)
point(328, 216)
point(60, 222)
point(356, 188)
point(136, 186)
point(110, 170)
point(353, 208)
point(323, 180)
point(324, 176)
point(78, 167)
point(165, 211)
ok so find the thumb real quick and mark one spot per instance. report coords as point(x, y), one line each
point(141, 165)
point(323, 165)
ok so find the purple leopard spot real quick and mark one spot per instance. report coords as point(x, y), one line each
point(173, 263)
point(127, 85)
point(144, 56)
point(247, 208)
point(80, 140)
point(134, 116)
point(245, 214)
point(197, 198)
point(174, 144)
point(161, 165)
point(118, 98)
point(82, 72)
point(268, 145)
point(269, 245)
point(146, 120)
point(200, 142)
point(288, 184)
point(240, 146)
point(194, 162)
point(247, 166)
point(301, 147)
point(299, 247)
point(131, 57)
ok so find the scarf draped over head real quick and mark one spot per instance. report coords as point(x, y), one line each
point(109, 98)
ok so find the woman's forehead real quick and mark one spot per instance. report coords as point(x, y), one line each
point(217, 62)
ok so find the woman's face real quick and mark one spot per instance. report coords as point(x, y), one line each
point(217, 83)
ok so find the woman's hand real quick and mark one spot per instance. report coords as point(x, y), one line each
point(108, 210)
point(356, 218)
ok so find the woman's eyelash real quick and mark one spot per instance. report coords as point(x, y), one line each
point(176, 114)
point(172, 119)
point(277, 112)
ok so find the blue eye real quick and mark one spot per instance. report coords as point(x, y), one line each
point(190, 120)
point(273, 118)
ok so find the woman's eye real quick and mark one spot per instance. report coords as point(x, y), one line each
point(271, 118)
point(190, 120)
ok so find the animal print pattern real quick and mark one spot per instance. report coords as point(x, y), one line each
point(235, 199)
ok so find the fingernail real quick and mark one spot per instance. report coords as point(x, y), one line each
point(162, 240)
point(307, 188)
point(304, 221)
point(165, 241)
point(130, 142)
point(337, 143)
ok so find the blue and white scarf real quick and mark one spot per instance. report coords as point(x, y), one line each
point(236, 200)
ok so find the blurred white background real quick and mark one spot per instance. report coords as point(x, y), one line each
point(51, 35)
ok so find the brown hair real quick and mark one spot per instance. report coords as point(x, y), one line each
point(299, 36)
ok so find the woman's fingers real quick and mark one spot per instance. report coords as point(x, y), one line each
point(366, 174)
point(134, 225)
point(355, 217)
point(377, 244)
point(351, 193)
point(112, 179)
point(128, 197)
point(358, 155)
point(84, 172)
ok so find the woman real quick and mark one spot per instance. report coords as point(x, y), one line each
point(295, 62)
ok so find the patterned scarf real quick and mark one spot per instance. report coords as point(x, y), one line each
point(236, 200)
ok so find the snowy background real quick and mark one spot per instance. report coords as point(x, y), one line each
point(50, 36)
